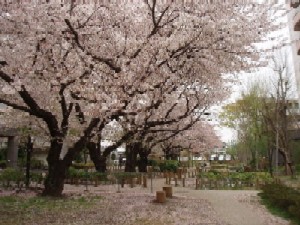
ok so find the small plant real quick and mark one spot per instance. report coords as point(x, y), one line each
point(10, 177)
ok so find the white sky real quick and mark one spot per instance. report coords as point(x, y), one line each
point(229, 135)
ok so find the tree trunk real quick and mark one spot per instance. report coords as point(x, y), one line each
point(287, 163)
point(270, 157)
point(143, 162)
point(98, 159)
point(131, 157)
point(54, 183)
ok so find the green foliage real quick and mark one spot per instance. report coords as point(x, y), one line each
point(74, 173)
point(3, 164)
point(36, 164)
point(113, 156)
point(169, 165)
point(79, 157)
point(126, 175)
point(3, 153)
point(152, 162)
point(83, 165)
point(36, 177)
point(212, 175)
point(297, 167)
point(11, 176)
point(283, 197)
point(241, 176)
point(99, 176)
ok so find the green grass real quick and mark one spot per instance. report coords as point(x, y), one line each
point(22, 210)
point(273, 209)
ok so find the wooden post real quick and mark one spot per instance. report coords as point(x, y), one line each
point(139, 180)
point(179, 173)
point(161, 196)
point(169, 191)
point(131, 182)
point(183, 182)
point(96, 182)
point(170, 177)
point(144, 181)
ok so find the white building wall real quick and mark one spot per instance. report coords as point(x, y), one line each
point(293, 19)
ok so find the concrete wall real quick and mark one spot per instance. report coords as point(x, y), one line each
point(294, 23)
point(12, 145)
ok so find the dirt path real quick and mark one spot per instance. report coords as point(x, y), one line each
point(234, 207)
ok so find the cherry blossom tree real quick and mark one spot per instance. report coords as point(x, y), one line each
point(76, 67)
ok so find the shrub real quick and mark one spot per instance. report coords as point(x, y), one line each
point(152, 162)
point(99, 176)
point(283, 197)
point(10, 176)
point(37, 177)
point(297, 167)
point(36, 164)
point(212, 175)
point(3, 164)
point(169, 165)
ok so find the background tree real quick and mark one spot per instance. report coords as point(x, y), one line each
point(262, 115)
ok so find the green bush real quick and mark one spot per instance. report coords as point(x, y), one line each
point(3, 153)
point(36, 164)
point(3, 164)
point(37, 177)
point(152, 162)
point(297, 167)
point(83, 174)
point(283, 197)
point(10, 176)
point(113, 156)
point(88, 165)
point(126, 175)
point(169, 165)
point(212, 175)
point(99, 176)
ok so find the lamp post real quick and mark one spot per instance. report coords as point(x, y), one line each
point(28, 159)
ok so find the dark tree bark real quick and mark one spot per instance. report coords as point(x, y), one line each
point(131, 157)
point(98, 159)
point(143, 161)
point(288, 166)
point(54, 183)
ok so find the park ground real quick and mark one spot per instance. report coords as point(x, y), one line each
point(111, 205)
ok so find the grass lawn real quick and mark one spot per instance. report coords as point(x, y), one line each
point(33, 210)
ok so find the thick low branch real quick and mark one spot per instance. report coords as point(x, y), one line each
point(35, 109)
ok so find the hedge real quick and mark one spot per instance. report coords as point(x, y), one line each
point(283, 197)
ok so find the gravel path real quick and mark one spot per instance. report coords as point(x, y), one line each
point(234, 207)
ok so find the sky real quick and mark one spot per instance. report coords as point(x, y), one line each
point(229, 135)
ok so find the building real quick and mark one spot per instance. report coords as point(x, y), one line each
point(294, 28)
